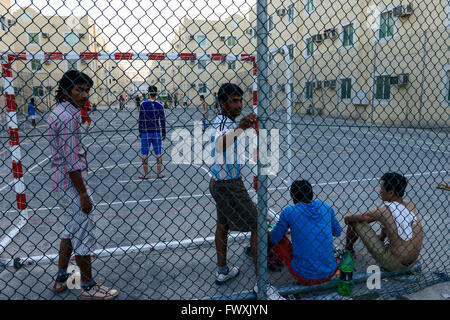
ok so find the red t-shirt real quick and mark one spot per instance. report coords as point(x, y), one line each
point(84, 113)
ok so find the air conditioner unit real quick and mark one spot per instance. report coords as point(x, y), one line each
point(332, 84)
point(318, 85)
point(397, 11)
point(44, 35)
point(330, 34)
point(281, 12)
point(403, 79)
point(10, 22)
point(407, 11)
point(393, 80)
point(249, 31)
point(329, 84)
point(317, 38)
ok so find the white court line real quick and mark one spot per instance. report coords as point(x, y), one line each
point(9, 184)
point(390, 142)
point(141, 180)
point(200, 195)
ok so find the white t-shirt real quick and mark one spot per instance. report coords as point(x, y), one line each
point(225, 166)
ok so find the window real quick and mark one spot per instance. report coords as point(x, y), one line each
point(291, 51)
point(162, 80)
point(71, 38)
point(36, 65)
point(231, 41)
point(202, 88)
point(291, 13)
point(201, 40)
point(309, 47)
point(310, 6)
point(201, 65)
point(72, 65)
point(383, 87)
point(386, 25)
point(309, 89)
point(33, 38)
point(231, 65)
point(346, 88)
point(347, 40)
point(448, 86)
point(270, 25)
point(4, 24)
point(38, 91)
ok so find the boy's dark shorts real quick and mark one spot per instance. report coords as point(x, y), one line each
point(235, 208)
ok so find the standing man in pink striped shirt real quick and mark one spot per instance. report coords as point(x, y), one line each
point(70, 175)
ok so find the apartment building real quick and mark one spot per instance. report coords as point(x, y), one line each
point(384, 61)
point(210, 40)
point(32, 32)
point(378, 61)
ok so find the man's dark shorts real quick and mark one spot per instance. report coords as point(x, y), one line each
point(235, 208)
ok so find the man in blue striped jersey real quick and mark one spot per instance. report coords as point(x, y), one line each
point(235, 209)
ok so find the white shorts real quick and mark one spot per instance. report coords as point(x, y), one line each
point(79, 227)
point(33, 117)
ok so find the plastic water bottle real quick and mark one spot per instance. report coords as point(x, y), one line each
point(345, 285)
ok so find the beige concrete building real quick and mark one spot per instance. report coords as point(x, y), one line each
point(384, 61)
point(34, 32)
point(203, 76)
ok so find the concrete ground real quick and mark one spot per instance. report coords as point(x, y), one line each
point(343, 159)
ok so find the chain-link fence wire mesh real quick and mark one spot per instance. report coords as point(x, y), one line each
point(344, 92)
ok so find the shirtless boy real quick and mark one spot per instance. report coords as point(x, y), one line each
point(400, 224)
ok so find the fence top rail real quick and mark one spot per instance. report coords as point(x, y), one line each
point(118, 56)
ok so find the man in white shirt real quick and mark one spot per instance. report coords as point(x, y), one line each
point(235, 209)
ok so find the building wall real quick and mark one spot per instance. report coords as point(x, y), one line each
point(51, 32)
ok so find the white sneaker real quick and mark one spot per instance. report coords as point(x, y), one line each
point(272, 293)
point(222, 278)
point(99, 292)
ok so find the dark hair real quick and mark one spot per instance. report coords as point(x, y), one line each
point(227, 90)
point(152, 90)
point(394, 182)
point(32, 100)
point(69, 80)
point(202, 97)
point(301, 191)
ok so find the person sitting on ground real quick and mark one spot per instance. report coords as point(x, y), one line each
point(310, 256)
point(400, 224)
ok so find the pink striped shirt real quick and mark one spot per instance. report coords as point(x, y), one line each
point(67, 151)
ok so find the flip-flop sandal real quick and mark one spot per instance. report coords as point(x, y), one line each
point(143, 177)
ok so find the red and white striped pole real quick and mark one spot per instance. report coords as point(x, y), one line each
point(16, 157)
point(255, 110)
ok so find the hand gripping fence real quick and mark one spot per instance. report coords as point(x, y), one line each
point(352, 107)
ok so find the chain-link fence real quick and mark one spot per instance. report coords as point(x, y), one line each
point(167, 187)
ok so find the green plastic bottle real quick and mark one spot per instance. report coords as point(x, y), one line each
point(345, 285)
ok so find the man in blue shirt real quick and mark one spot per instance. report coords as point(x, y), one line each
point(32, 111)
point(152, 130)
point(310, 257)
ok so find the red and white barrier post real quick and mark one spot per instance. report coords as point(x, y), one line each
point(16, 156)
